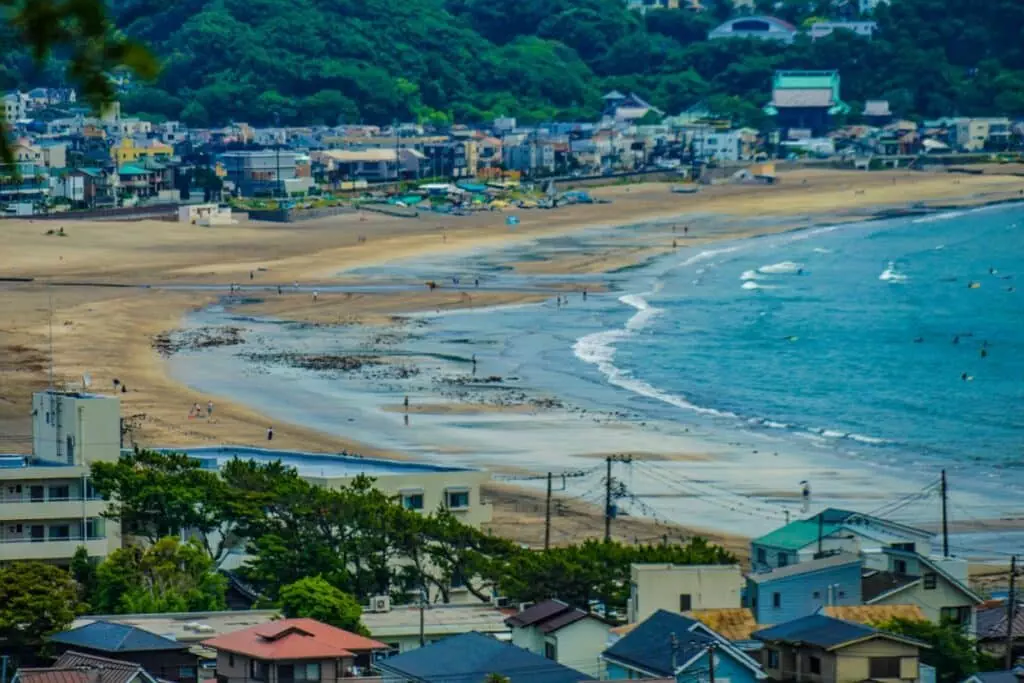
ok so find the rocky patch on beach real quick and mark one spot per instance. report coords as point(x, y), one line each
point(316, 361)
point(168, 343)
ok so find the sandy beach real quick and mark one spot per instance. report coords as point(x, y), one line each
point(165, 271)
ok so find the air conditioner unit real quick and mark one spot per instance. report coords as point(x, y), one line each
point(380, 603)
point(499, 600)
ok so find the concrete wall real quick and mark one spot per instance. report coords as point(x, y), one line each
point(659, 586)
point(76, 428)
point(579, 646)
point(852, 663)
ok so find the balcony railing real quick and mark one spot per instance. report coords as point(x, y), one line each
point(51, 499)
point(65, 539)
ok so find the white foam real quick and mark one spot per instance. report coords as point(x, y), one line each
point(749, 284)
point(949, 215)
point(749, 275)
point(598, 349)
point(890, 274)
point(832, 434)
point(784, 267)
point(822, 250)
point(873, 440)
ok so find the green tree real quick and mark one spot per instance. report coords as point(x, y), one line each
point(154, 495)
point(313, 597)
point(83, 571)
point(82, 31)
point(950, 651)
point(169, 576)
point(36, 600)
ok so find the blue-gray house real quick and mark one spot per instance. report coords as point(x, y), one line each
point(798, 590)
point(669, 645)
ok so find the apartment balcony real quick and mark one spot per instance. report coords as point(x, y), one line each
point(46, 549)
point(68, 508)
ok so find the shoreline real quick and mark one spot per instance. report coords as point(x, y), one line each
point(129, 319)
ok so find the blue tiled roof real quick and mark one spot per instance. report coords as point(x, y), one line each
point(106, 636)
point(816, 629)
point(649, 645)
point(470, 657)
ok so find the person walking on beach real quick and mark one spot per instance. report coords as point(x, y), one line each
point(686, 229)
point(251, 275)
point(209, 409)
point(270, 433)
point(316, 293)
point(474, 364)
point(279, 289)
point(405, 402)
point(584, 293)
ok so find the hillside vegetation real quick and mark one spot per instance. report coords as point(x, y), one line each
point(330, 61)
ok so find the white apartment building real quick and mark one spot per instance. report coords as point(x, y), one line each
point(47, 505)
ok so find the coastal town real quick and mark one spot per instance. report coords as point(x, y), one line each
point(446, 341)
point(69, 160)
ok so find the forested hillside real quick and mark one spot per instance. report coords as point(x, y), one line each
point(308, 61)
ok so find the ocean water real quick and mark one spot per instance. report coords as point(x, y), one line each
point(899, 339)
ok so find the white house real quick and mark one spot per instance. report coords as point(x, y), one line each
point(682, 588)
point(562, 633)
point(820, 29)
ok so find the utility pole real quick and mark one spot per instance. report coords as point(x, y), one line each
point(608, 493)
point(675, 651)
point(821, 529)
point(711, 662)
point(423, 607)
point(547, 517)
point(944, 490)
point(1011, 611)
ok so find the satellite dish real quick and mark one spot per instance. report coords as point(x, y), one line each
point(86, 380)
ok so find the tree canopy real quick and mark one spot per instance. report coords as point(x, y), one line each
point(311, 61)
point(314, 549)
point(36, 600)
point(951, 651)
point(315, 598)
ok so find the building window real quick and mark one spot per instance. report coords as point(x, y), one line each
point(899, 566)
point(257, 670)
point(231, 659)
point(817, 595)
point(909, 547)
point(458, 580)
point(814, 665)
point(930, 580)
point(773, 659)
point(36, 494)
point(60, 492)
point(551, 651)
point(762, 556)
point(188, 672)
point(884, 667)
point(776, 599)
point(457, 500)
point(783, 559)
point(685, 602)
point(95, 528)
point(412, 501)
point(307, 672)
point(956, 615)
point(60, 532)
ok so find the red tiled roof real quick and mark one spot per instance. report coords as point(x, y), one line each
point(294, 639)
point(57, 676)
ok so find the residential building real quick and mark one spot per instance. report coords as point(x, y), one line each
point(79, 667)
point(1014, 675)
point(565, 634)
point(167, 659)
point(977, 134)
point(992, 618)
point(135, 181)
point(820, 649)
point(734, 624)
point(472, 658)
point(644, 5)
point(673, 647)
point(397, 626)
point(758, 26)
point(263, 172)
point(529, 155)
point(372, 165)
point(804, 102)
point(450, 159)
point(795, 591)
point(681, 587)
point(874, 614)
point(723, 145)
point(937, 586)
point(131, 151)
point(877, 112)
point(833, 530)
point(15, 107)
point(821, 29)
point(620, 108)
point(48, 507)
point(292, 651)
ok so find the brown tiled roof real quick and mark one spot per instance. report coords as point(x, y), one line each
point(294, 639)
point(542, 611)
point(733, 623)
point(875, 614)
point(77, 667)
point(54, 675)
point(801, 97)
